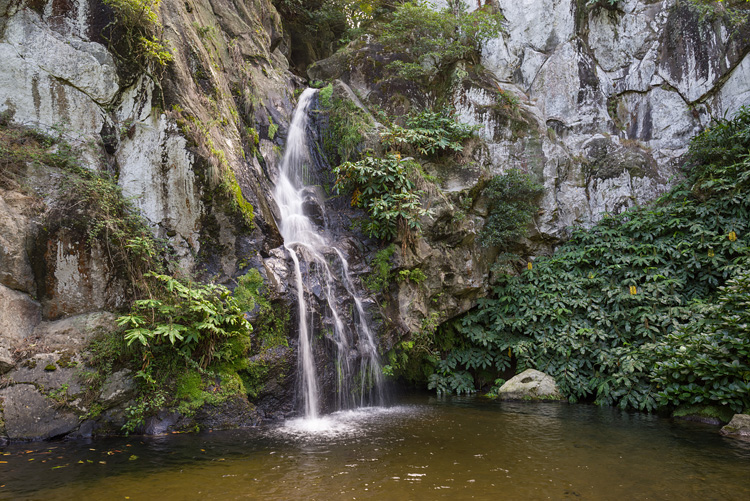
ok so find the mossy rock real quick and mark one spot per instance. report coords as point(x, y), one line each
point(709, 414)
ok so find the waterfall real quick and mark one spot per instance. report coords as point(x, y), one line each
point(311, 251)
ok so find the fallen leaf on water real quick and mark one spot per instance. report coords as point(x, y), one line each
point(102, 462)
point(61, 466)
point(4, 462)
point(80, 462)
point(133, 457)
point(31, 459)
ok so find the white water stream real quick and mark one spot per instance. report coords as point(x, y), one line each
point(311, 251)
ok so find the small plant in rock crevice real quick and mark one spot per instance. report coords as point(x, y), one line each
point(135, 36)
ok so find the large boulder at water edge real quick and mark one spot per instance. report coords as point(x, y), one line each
point(738, 427)
point(531, 384)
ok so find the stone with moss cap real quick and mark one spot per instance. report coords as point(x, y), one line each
point(531, 384)
point(738, 427)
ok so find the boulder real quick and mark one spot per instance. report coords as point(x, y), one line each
point(6, 360)
point(49, 372)
point(19, 314)
point(118, 388)
point(74, 332)
point(738, 427)
point(29, 415)
point(235, 412)
point(531, 384)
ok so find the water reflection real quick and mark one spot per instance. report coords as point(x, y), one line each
point(426, 449)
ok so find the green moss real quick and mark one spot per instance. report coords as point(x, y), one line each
point(238, 202)
point(723, 414)
point(379, 277)
point(272, 129)
point(254, 378)
point(65, 361)
point(50, 367)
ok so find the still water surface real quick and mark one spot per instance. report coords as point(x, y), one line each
point(424, 448)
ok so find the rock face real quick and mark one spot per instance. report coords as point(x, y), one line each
point(738, 427)
point(597, 103)
point(531, 384)
point(29, 415)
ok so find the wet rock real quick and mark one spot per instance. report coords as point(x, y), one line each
point(235, 412)
point(275, 399)
point(738, 427)
point(118, 388)
point(29, 415)
point(163, 422)
point(531, 384)
point(6, 360)
point(277, 271)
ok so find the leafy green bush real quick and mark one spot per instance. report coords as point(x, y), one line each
point(714, 348)
point(609, 314)
point(429, 133)
point(383, 188)
point(512, 198)
point(197, 321)
point(429, 41)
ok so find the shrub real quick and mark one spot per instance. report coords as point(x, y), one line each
point(512, 198)
point(191, 319)
point(428, 41)
point(430, 133)
point(714, 348)
point(135, 39)
point(382, 187)
point(380, 276)
point(347, 123)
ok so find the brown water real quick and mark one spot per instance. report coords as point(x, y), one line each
point(426, 448)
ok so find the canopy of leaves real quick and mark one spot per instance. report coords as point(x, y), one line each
point(428, 41)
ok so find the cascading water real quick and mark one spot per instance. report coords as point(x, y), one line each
point(308, 245)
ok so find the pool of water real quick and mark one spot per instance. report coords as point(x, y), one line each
point(423, 448)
